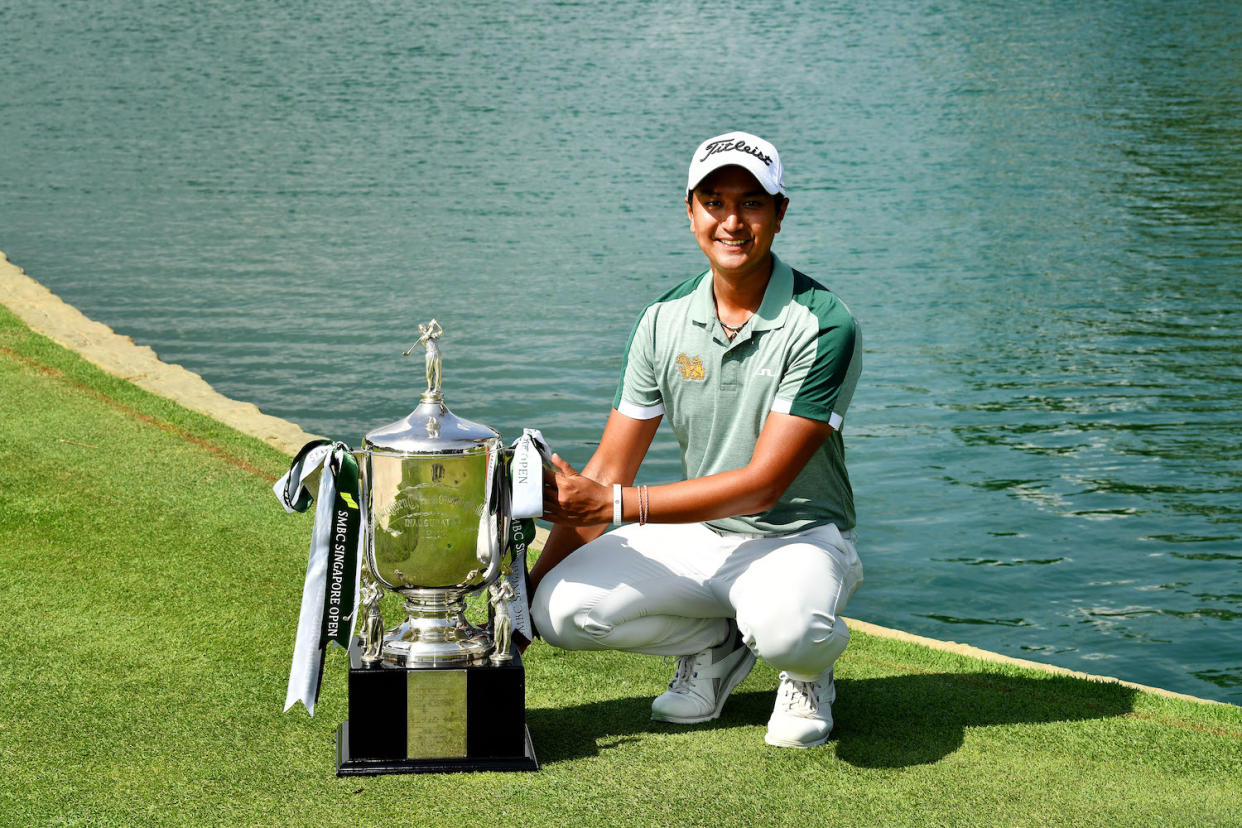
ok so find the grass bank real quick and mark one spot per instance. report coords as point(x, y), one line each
point(150, 591)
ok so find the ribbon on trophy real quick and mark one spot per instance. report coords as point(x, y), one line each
point(329, 594)
point(531, 455)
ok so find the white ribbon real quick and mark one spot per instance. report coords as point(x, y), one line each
point(307, 666)
point(530, 453)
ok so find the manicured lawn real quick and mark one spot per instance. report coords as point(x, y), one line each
point(150, 592)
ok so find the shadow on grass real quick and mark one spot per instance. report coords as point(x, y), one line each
point(889, 722)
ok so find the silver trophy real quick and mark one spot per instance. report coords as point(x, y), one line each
point(437, 501)
point(434, 694)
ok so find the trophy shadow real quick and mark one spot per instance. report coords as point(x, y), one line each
point(886, 722)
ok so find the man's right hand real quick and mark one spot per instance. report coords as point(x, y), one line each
point(572, 499)
point(621, 451)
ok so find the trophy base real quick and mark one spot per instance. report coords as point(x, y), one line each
point(346, 765)
point(434, 719)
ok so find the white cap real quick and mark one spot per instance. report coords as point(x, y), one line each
point(738, 149)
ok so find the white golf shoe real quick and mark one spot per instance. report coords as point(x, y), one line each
point(703, 682)
point(803, 713)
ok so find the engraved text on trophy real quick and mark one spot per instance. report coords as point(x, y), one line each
point(427, 513)
point(436, 718)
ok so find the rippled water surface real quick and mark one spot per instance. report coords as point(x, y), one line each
point(1034, 207)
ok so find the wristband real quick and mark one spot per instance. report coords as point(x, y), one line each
point(616, 503)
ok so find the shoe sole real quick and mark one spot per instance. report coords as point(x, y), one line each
point(735, 677)
point(791, 744)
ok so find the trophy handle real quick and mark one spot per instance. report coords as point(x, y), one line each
point(504, 507)
point(498, 514)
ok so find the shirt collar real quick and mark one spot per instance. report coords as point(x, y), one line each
point(772, 310)
point(703, 306)
point(776, 297)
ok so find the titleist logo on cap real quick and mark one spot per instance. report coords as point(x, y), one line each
point(734, 146)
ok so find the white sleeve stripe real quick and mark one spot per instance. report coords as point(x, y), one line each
point(640, 412)
point(781, 406)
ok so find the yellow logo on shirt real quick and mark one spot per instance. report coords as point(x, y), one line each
point(690, 368)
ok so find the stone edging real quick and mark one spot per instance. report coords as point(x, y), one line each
point(997, 658)
point(46, 313)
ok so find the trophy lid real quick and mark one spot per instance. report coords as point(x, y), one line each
point(431, 428)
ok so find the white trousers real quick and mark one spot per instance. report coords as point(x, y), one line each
point(667, 589)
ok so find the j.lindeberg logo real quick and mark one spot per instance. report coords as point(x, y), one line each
point(735, 146)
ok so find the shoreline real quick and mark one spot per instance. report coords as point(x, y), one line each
point(47, 314)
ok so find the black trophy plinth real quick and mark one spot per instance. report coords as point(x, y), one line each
point(435, 719)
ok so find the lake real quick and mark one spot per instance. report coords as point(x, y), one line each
point(1034, 208)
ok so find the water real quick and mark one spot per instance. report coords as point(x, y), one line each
point(1033, 207)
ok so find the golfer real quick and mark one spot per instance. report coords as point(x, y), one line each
point(753, 364)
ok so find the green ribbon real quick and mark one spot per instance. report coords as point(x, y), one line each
point(521, 533)
point(338, 596)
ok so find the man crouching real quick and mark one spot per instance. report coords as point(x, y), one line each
point(753, 364)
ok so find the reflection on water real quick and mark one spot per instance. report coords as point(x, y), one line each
point(994, 562)
point(1035, 209)
point(1003, 622)
point(1221, 678)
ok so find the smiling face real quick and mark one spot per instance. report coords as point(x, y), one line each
point(734, 220)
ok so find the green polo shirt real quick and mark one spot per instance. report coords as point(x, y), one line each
point(800, 354)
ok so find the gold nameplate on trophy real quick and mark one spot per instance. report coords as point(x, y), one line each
point(435, 714)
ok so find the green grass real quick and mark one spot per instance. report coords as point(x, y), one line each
point(150, 590)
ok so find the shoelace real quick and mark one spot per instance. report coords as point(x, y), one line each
point(799, 695)
point(685, 672)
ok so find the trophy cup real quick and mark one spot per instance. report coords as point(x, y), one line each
point(434, 693)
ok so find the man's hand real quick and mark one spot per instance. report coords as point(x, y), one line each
point(573, 500)
point(620, 452)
